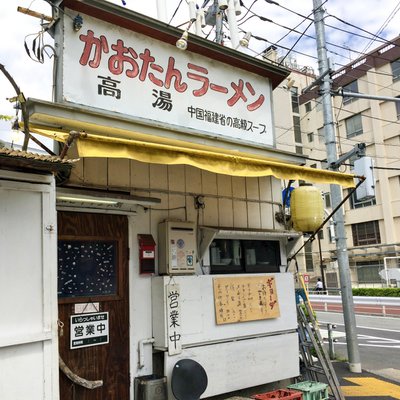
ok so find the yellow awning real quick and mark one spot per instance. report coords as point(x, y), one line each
point(208, 158)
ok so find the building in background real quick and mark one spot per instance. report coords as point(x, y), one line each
point(372, 226)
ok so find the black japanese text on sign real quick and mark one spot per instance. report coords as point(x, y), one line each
point(89, 330)
point(240, 299)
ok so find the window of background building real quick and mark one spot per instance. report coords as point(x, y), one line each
point(366, 233)
point(295, 99)
point(355, 203)
point(331, 280)
point(351, 87)
point(398, 107)
point(309, 257)
point(396, 69)
point(308, 106)
point(297, 130)
point(299, 150)
point(368, 271)
point(354, 126)
point(327, 197)
point(310, 137)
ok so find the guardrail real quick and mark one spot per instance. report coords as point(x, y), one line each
point(385, 306)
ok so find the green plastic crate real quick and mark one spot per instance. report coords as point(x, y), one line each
point(311, 390)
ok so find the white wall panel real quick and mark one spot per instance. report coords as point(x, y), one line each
point(198, 313)
point(28, 286)
point(22, 372)
point(242, 364)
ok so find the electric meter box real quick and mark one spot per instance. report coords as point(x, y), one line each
point(364, 166)
point(176, 248)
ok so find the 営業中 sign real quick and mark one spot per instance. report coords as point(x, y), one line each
point(89, 330)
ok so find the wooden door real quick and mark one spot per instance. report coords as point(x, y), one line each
point(93, 276)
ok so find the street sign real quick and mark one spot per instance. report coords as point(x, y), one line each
point(89, 330)
point(306, 278)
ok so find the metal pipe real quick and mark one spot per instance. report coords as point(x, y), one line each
point(321, 264)
point(141, 350)
point(342, 93)
point(232, 21)
point(332, 355)
point(161, 10)
point(198, 23)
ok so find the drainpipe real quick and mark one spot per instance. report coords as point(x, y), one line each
point(141, 350)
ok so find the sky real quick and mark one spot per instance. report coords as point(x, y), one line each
point(349, 29)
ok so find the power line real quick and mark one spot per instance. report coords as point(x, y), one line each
point(282, 47)
point(352, 165)
point(367, 116)
point(361, 29)
point(382, 40)
point(176, 10)
point(248, 10)
point(338, 136)
point(390, 85)
point(330, 26)
point(295, 43)
point(264, 19)
point(385, 24)
point(372, 72)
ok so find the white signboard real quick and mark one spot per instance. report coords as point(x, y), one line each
point(89, 330)
point(112, 68)
point(173, 319)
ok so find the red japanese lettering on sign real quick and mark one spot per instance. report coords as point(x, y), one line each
point(147, 59)
point(99, 45)
point(258, 103)
point(218, 88)
point(238, 88)
point(156, 81)
point(125, 59)
point(123, 55)
point(173, 73)
point(205, 81)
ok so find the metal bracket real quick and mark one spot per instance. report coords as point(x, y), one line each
point(358, 150)
point(317, 82)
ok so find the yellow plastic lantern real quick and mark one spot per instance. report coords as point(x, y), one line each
point(307, 208)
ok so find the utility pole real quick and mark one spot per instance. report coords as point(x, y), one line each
point(336, 195)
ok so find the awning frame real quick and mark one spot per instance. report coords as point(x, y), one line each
point(111, 135)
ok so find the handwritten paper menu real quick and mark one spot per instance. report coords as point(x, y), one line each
point(240, 299)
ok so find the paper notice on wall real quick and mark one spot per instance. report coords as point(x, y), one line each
point(245, 299)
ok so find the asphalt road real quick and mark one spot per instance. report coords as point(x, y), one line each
point(378, 339)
